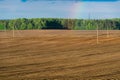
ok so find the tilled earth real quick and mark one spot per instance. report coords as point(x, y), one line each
point(59, 55)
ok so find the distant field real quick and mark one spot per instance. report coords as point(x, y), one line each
point(59, 55)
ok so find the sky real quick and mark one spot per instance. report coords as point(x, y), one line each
point(80, 9)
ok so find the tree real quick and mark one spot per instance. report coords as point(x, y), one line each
point(59, 23)
point(1, 27)
point(29, 26)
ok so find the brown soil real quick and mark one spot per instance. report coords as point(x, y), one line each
point(59, 55)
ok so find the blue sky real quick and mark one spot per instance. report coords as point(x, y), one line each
point(96, 9)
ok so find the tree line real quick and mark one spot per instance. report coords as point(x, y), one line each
point(59, 23)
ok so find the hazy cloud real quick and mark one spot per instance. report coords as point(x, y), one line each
point(59, 8)
point(73, 0)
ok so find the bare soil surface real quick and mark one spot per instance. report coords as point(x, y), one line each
point(59, 55)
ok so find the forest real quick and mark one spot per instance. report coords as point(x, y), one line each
point(60, 23)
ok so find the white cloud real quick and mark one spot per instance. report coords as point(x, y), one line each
point(17, 8)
